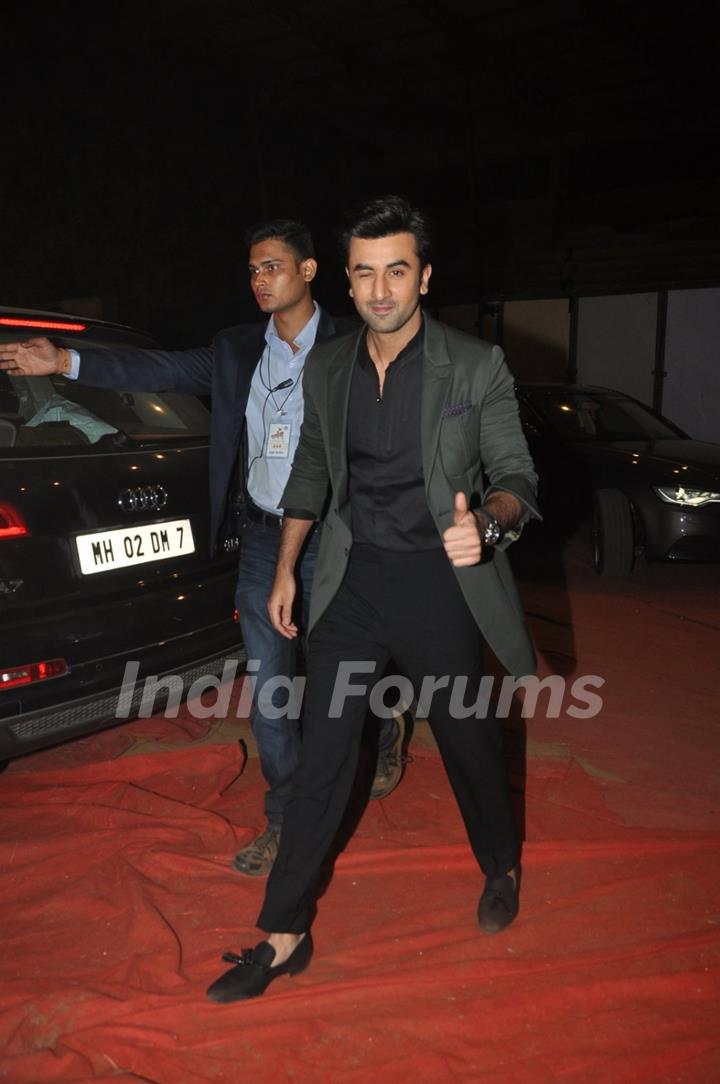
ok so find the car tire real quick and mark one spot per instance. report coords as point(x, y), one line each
point(613, 533)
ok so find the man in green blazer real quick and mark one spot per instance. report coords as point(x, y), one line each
point(412, 449)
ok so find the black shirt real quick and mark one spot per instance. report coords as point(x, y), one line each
point(387, 487)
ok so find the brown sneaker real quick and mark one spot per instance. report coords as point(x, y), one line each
point(257, 858)
point(390, 764)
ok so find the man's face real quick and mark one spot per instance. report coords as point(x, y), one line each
point(386, 280)
point(277, 280)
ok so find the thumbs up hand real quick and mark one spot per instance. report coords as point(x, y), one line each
point(462, 541)
point(461, 509)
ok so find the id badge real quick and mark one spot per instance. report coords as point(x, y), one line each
point(278, 442)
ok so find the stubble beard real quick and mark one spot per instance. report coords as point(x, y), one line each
point(394, 321)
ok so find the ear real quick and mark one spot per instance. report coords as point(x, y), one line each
point(308, 269)
point(425, 278)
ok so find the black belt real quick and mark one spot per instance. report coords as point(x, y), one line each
point(257, 515)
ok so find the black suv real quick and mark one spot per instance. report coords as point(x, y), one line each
point(104, 545)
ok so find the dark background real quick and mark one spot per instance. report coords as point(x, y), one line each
point(562, 148)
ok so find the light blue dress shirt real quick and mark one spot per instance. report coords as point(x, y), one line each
point(267, 476)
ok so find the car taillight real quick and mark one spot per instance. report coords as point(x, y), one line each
point(236, 616)
point(46, 325)
point(12, 522)
point(33, 671)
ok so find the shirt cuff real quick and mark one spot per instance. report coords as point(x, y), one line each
point(530, 511)
point(297, 513)
point(74, 371)
point(521, 488)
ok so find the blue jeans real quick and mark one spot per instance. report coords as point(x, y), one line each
point(278, 739)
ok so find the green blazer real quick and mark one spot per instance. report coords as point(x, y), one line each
point(471, 436)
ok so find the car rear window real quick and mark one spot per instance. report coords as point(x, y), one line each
point(586, 416)
point(44, 412)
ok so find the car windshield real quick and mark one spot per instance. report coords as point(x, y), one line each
point(590, 416)
point(40, 412)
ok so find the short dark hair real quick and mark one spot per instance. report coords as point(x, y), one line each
point(290, 231)
point(383, 216)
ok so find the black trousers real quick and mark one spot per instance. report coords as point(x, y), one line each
point(408, 607)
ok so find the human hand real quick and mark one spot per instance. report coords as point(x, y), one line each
point(34, 357)
point(463, 541)
point(280, 605)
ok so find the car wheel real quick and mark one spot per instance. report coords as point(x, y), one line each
point(613, 534)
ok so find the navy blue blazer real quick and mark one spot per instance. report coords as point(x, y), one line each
point(223, 371)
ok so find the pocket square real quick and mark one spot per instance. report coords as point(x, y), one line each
point(456, 410)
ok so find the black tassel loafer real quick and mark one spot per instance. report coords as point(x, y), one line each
point(253, 971)
point(499, 902)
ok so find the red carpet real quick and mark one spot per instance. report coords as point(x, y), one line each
point(118, 900)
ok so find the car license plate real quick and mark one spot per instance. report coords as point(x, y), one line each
point(106, 550)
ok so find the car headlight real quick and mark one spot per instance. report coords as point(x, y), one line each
point(689, 497)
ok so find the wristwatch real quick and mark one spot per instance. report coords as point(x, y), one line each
point(492, 532)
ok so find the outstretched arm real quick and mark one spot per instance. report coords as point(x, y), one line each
point(127, 367)
point(34, 357)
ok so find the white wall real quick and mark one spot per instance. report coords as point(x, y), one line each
point(616, 347)
point(466, 317)
point(616, 343)
point(535, 334)
point(536, 338)
point(691, 395)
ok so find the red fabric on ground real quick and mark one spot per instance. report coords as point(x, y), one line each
point(118, 898)
point(119, 902)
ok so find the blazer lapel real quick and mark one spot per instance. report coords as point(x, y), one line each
point(437, 377)
point(339, 381)
point(326, 326)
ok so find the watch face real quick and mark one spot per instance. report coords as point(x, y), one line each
point(492, 531)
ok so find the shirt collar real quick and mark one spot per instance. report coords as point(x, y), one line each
point(411, 349)
point(304, 338)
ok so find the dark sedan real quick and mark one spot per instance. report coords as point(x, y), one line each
point(648, 486)
point(104, 546)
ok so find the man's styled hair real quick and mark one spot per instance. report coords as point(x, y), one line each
point(382, 217)
point(290, 231)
